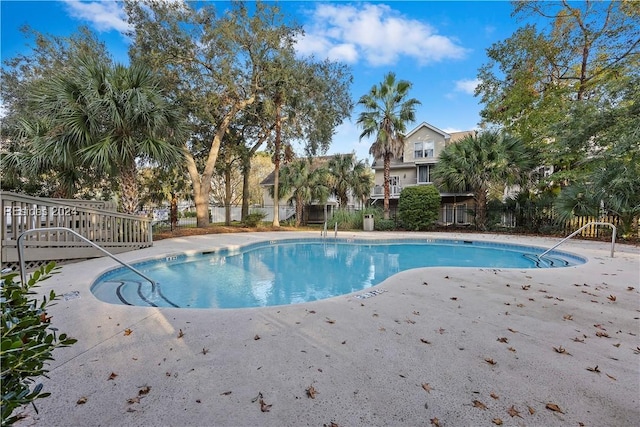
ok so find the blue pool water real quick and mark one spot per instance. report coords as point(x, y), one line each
point(294, 271)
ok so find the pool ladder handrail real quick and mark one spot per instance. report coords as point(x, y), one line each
point(81, 237)
point(323, 233)
point(613, 236)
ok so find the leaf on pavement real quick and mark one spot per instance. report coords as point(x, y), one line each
point(112, 376)
point(495, 396)
point(180, 333)
point(427, 387)
point(503, 339)
point(553, 407)
point(490, 361)
point(513, 412)
point(497, 421)
point(531, 410)
point(311, 392)
point(264, 407)
point(82, 401)
point(144, 390)
point(435, 422)
point(478, 404)
point(594, 369)
point(127, 332)
point(425, 341)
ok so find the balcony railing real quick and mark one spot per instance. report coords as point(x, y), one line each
point(378, 191)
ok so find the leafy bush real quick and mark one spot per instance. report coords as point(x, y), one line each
point(418, 207)
point(347, 220)
point(384, 224)
point(254, 218)
point(27, 341)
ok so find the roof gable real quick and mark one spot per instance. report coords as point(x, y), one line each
point(428, 126)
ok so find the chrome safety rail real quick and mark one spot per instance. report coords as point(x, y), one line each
point(81, 237)
point(323, 233)
point(613, 236)
point(335, 236)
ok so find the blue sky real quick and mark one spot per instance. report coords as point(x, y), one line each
point(438, 46)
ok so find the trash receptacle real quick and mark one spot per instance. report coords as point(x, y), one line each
point(367, 223)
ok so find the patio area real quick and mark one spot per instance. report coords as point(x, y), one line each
point(442, 346)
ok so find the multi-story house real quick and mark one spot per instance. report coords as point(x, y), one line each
point(422, 148)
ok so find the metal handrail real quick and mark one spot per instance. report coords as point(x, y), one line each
point(110, 255)
point(323, 233)
point(335, 236)
point(613, 236)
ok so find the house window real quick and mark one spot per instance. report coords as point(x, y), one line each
point(454, 214)
point(394, 180)
point(423, 149)
point(424, 174)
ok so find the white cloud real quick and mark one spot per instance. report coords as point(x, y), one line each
point(103, 15)
point(375, 32)
point(467, 86)
point(451, 130)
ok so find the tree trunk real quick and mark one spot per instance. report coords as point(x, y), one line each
point(276, 163)
point(481, 209)
point(129, 188)
point(227, 196)
point(246, 171)
point(299, 205)
point(387, 178)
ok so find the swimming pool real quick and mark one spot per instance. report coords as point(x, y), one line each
point(300, 270)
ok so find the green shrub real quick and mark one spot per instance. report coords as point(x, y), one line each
point(418, 207)
point(254, 218)
point(382, 224)
point(27, 341)
point(347, 220)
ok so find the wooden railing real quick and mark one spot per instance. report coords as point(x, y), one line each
point(111, 230)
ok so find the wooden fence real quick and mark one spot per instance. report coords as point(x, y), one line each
point(97, 221)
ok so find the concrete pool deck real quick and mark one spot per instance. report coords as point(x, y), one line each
point(442, 346)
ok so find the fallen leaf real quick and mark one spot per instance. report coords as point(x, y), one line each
point(531, 410)
point(512, 349)
point(343, 342)
point(331, 321)
point(561, 350)
point(478, 404)
point(576, 339)
point(331, 424)
point(602, 334)
point(497, 421)
point(256, 337)
point(637, 350)
point(490, 361)
point(127, 332)
point(503, 339)
point(495, 396)
point(112, 376)
point(613, 378)
point(409, 321)
point(82, 401)
point(512, 330)
point(611, 297)
point(616, 345)
point(425, 341)
point(519, 305)
point(446, 277)
point(553, 407)
point(526, 287)
point(454, 298)
point(205, 350)
point(311, 392)
point(225, 393)
point(426, 387)
point(264, 407)
point(312, 312)
point(417, 313)
point(180, 333)
point(599, 326)
point(425, 283)
point(567, 317)
point(435, 421)
point(258, 397)
point(594, 369)
point(513, 412)
point(630, 288)
point(144, 390)
point(133, 400)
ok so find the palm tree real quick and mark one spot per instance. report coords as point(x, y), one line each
point(109, 117)
point(481, 161)
point(386, 114)
point(348, 176)
point(304, 184)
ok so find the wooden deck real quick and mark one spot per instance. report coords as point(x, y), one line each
point(96, 220)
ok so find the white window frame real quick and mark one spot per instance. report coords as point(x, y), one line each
point(423, 149)
point(429, 173)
